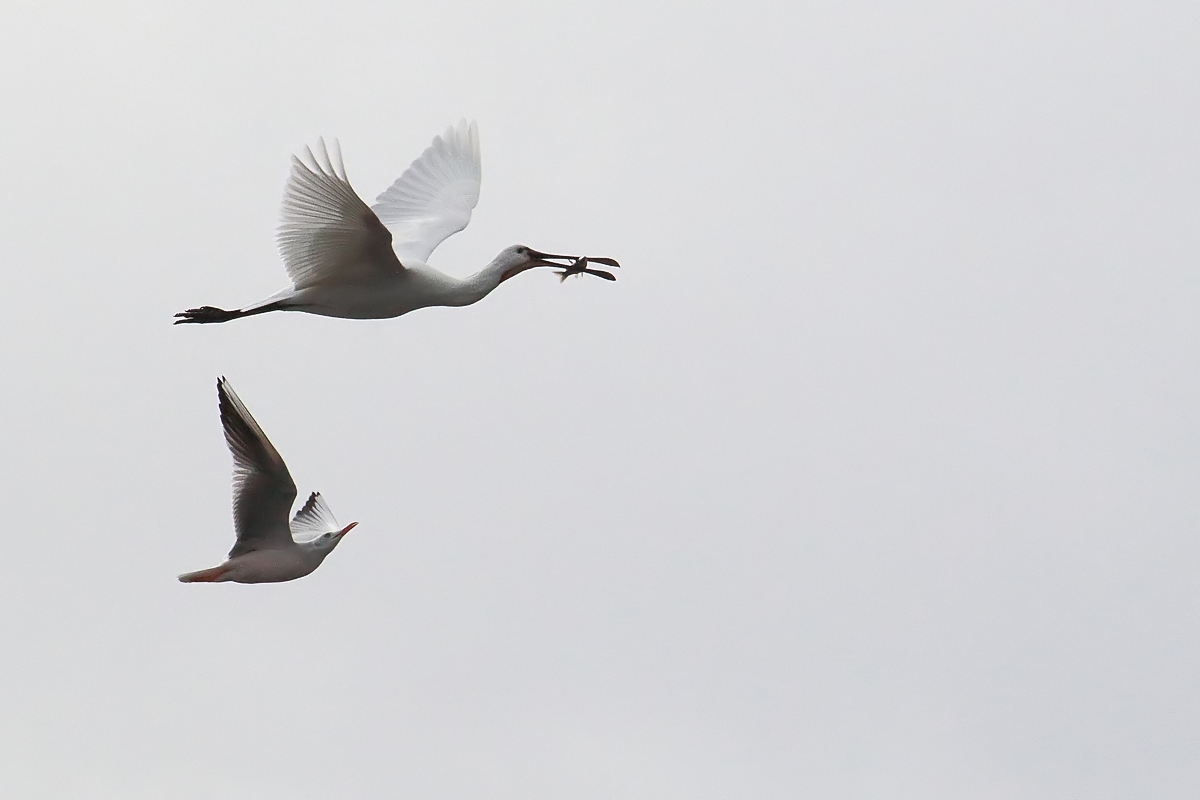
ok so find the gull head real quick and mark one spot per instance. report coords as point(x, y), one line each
point(329, 540)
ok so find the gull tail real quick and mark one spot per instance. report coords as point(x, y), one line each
point(213, 575)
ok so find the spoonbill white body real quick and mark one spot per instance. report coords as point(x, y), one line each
point(347, 259)
point(267, 548)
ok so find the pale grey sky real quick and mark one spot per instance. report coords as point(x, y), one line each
point(874, 475)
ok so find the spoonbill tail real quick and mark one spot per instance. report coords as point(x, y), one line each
point(268, 549)
point(347, 259)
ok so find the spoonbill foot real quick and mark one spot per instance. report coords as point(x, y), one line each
point(205, 314)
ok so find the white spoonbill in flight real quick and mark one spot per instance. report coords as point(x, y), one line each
point(347, 259)
point(268, 549)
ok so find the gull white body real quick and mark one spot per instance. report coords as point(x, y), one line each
point(350, 260)
point(262, 566)
point(267, 549)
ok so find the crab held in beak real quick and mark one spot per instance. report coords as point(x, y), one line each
point(579, 266)
point(569, 265)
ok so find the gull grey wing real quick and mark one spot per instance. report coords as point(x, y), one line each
point(263, 490)
point(313, 520)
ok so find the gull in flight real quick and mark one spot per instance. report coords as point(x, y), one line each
point(348, 259)
point(268, 549)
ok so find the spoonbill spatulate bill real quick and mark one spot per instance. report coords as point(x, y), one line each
point(268, 548)
point(348, 259)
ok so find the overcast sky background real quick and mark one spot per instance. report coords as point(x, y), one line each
point(873, 476)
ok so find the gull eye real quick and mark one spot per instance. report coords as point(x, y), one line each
point(327, 535)
point(522, 251)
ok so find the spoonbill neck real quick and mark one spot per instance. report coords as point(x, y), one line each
point(475, 287)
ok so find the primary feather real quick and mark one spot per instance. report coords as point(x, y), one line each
point(263, 490)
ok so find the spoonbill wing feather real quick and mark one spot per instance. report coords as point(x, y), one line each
point(434, 197)
point(313, 520)
point(327, 234)
point(263, 490)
